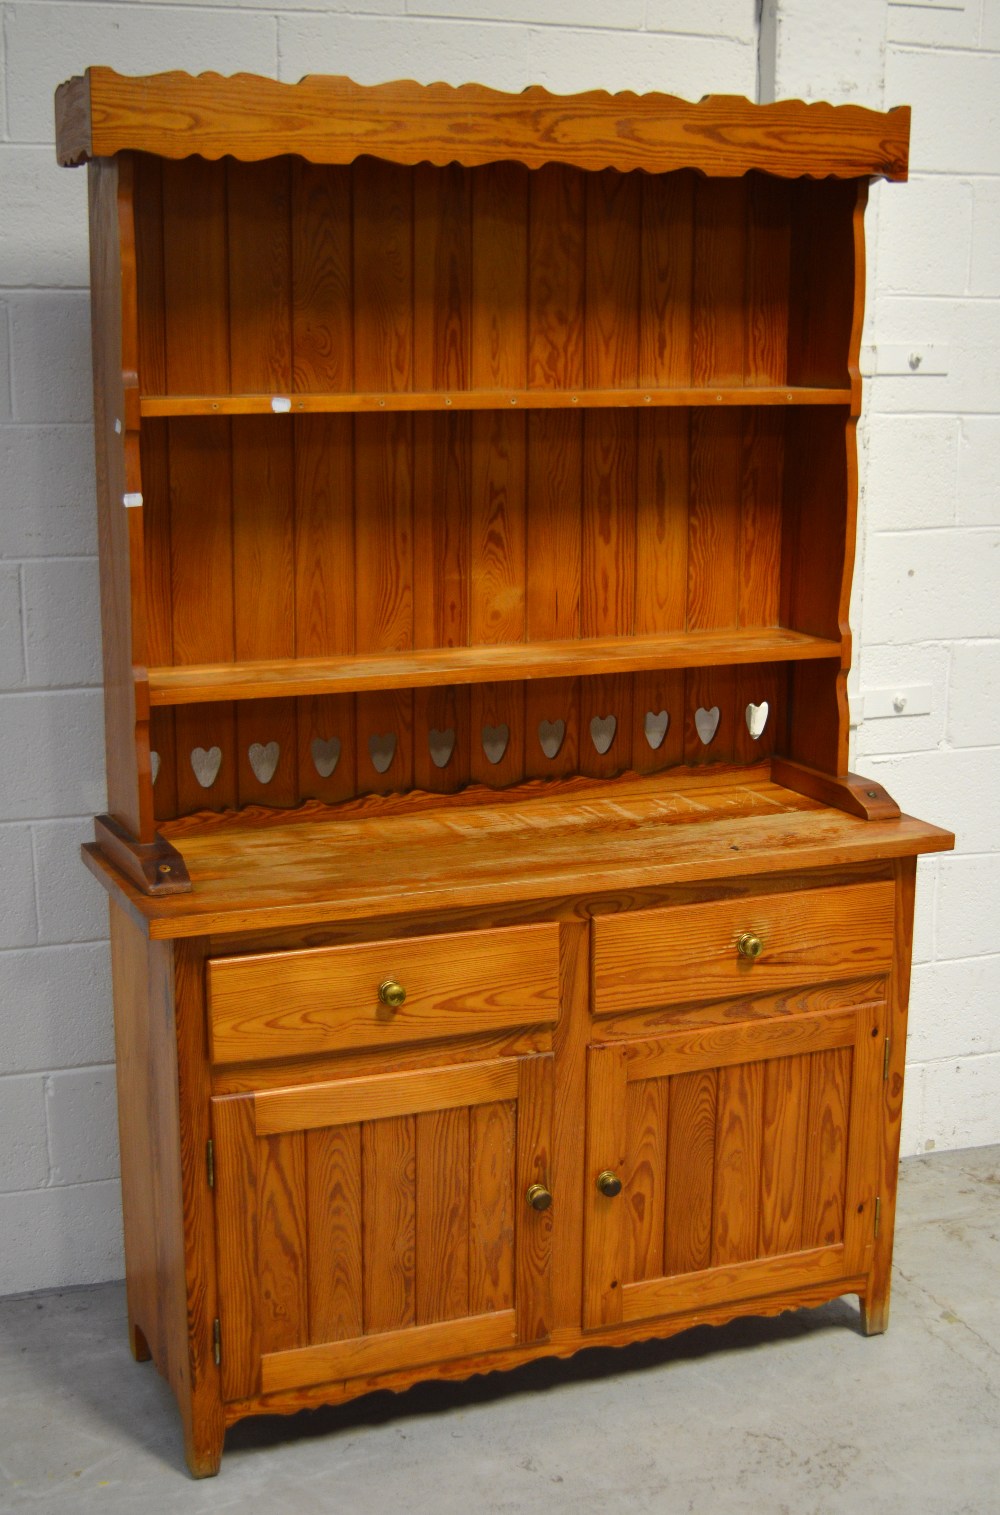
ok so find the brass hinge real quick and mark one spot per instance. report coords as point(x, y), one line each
point(210, 1163)
point(216, 1341)
point(885, 1060)
point(878, 1213)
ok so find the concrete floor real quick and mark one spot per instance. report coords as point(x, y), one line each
point(800, 1414)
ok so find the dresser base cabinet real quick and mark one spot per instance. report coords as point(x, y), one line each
point(300, 1231)
point(505, 961)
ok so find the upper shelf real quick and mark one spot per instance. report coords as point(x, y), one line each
point(489, 399)
point(350, 673)
point(330, 119)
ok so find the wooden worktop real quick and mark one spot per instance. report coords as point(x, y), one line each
point(386, 857)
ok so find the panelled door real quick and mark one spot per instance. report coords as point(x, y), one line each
point(745, 1154)
point(380, 1223)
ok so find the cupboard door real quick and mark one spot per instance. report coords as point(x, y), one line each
point(746, 1155)
point(380, 1223)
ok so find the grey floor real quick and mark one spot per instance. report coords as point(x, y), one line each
point(800, 1414)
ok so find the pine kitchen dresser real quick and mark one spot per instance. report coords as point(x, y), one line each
point(504, 959)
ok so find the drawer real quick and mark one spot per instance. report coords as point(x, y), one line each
point(686, 953)
point(325, 999)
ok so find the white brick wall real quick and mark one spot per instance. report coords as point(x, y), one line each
point(932, 496)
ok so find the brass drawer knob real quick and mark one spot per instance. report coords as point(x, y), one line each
point(749, 945)
point(391, 993)
point(538, 1197)
point(609, 1183)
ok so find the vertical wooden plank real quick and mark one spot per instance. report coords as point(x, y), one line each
point(333, 1179)
point(607, 605)
point(496, 709)
point(604, 1253)
point(441, 720)
point(661, 531)
point(714, 536)
point(264, 595)
point(611, 333)
point(718, 320)
point(384, 533)
point(442, 1236)
point(163, 741)
point(658, 695)
point(861, 1180)
point(322, 277)
point(260, 276)
point(767, 289)
point(327, 747)
point(644, 1178)
point(384, 725)
point(196, 285)
point(763, 454)
point(783, 1154)
point(499, 275)
point(234, 1134)
point(442, 276)
point(196, 276)
point(736, 1204)
point(666, 278)
point(497, 528)
point(555, 498)
point(150, 312)
point(687, 1241)
point(388, 1166)
point(324, 588)
point(547, 702)
point(826, 1165)
point(383, 275)
point(491, 1207)
point(759, 684)
point(710, 689)
point(384, 588)
point(281, 1241)
point(441, 488)
point(533, 1228)
point(556, 259)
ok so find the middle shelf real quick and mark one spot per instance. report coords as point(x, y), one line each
point(349, 673)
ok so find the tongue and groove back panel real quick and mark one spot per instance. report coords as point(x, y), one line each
point(279, 536)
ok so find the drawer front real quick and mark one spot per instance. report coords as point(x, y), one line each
point(325, 999)
point(686, 953)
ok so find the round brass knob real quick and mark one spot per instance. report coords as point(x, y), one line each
point(749, 945)
point(538, 1197)
point(391, 993)
point(609, 1183)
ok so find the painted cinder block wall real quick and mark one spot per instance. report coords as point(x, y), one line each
point(928, 566)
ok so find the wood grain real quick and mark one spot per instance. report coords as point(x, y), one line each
point(666, 957)
point(492, 1200)
point(282, 1004)
point(687, 1242)
point(334, 120)
point(388, 1148)
point(604, 1235)
point(335, 1258)
point(383, 1097)
point(442, 1245)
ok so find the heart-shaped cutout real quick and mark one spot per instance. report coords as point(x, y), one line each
point(495, 739)
point(206, 765)
point(655, 726)
point(264, 760)
point(154, 765)
point(602, 731)
point(757, 719)
point(325, 755)
point(550, 736)
point(441, 745)
point(382, 750)
point(706, 722)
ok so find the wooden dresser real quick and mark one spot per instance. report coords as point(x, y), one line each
point(504, 960)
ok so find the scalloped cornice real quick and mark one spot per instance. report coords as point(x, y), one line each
point(330, 119)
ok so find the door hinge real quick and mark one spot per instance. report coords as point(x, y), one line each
point(878, 1212)
point(885, 1059)
point(216, 1341)
point(210, 1163)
